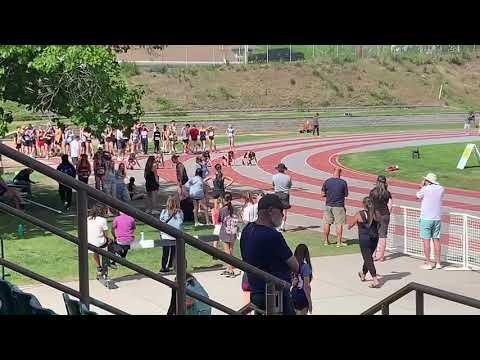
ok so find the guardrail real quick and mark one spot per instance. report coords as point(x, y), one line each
point(83, 192)
point(420, 290)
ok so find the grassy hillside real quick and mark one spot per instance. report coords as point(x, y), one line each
point(382, 81)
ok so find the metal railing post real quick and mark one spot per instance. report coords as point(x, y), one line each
point(273, 300)
point(386, 309)
point(180, 268)
point(419, 304)
point(82, 208)
point(2, 256)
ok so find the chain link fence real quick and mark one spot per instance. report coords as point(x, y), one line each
point(244, 54)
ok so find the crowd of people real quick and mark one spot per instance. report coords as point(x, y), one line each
point(50, 140)
point(258, 225)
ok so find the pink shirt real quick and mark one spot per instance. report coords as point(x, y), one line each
point(124, 227)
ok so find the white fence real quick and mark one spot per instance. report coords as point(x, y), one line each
point(460, 236)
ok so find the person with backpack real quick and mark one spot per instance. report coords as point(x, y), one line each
point(64, 191)
point(228, 231)
point(218, 182)
point(368, 239)
point(196, 189)
point(84, 169)
point(173, 216)
point(300, 291)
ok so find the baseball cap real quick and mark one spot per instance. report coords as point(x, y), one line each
point(281, 166)
point(270, 201)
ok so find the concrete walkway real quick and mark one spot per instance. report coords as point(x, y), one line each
point(336, 289)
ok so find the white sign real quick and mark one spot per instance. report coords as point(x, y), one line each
point(466, 155)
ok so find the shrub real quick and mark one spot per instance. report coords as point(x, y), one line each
point(292, 81)
point(129, 69)
point(224, 92)
point(316, 73)
point(350, 88)
point(325, 103)
point(165, 104)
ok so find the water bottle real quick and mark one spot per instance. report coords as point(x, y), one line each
point(142, 236)
point(21, 230)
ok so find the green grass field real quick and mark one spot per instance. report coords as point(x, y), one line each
point(440, 159)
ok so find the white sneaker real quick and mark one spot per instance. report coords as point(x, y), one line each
point(438, 266)
point(427, 267)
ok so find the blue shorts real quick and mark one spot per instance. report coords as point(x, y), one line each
point(430, 229)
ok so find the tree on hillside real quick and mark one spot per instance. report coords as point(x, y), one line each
point(81, 82)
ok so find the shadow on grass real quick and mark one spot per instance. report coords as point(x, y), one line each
point(302, 228)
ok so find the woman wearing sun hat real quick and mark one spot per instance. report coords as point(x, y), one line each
point(431, 194)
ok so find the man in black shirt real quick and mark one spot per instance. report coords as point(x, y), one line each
point(262, 246)
point(335, 190)
point(23, 179)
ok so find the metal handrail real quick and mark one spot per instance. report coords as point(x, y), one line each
point(420, 289)
point(73, 239)
point(137, 214)
point(84, 191)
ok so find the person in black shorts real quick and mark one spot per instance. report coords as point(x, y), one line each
point(382, 204)
point(218, 182)
point(368, 239)
point(157, 135)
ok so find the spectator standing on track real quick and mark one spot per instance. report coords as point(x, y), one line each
point(151, 184)
point(173, 216)
point(316, 125)
point(335, 190)
point(431, 194)
point(173, 137)
point(75, 150)
point(64, 191)
point(282, 183)
point(368, 239)
point(84, 169)
point(382, 204)
point(182, 177)
point(218, 182)
point(99, 168)
point(265, 248)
